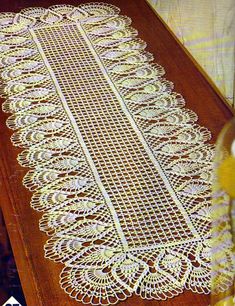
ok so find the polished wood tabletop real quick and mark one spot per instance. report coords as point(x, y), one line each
point(39, 276)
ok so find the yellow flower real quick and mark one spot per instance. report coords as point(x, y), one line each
point(226, 176)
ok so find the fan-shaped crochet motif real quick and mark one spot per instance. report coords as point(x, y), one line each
point(121, 170)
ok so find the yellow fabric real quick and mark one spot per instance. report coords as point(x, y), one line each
point(207, 30)
point(226, 175)
point(226, 302)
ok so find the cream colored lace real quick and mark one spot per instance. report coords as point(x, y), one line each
point(120, 169)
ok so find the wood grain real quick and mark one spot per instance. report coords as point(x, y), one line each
point(40, 277)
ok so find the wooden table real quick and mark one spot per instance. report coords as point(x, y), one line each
point(39, 276)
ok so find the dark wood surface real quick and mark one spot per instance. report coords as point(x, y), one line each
point(39, 276)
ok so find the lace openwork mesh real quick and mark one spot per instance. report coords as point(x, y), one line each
point(120, 168)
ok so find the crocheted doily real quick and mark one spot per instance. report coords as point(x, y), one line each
point(120, 169)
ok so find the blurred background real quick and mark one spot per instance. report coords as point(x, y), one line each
point(207, 29)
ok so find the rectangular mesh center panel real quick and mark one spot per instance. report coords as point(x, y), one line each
point(145, 208)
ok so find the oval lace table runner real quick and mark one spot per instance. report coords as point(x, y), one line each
point(120, 169)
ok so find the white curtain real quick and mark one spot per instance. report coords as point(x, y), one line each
point(207, 29)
